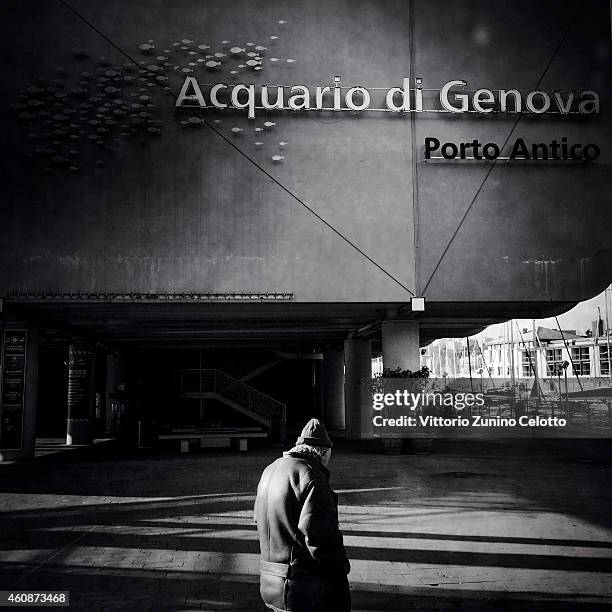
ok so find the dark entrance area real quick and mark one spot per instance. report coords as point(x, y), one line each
point(170, 367)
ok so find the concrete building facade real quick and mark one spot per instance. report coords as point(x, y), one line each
point(169, 251)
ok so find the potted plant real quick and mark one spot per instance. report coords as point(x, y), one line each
point(395, 445)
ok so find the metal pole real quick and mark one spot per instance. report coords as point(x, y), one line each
point(535, 365)
point(566, 396)
point(569, 354)
point(470, 364)
point(608, 335)
point(446, 368)
point(558, 368)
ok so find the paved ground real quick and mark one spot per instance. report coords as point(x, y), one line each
point(484, 526)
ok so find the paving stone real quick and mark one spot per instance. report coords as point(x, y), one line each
point(527, 531)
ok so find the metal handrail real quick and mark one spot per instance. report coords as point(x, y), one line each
point(216, 381)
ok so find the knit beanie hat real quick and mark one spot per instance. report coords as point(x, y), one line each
point(314, 434)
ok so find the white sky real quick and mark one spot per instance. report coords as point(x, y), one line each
point(579, 318)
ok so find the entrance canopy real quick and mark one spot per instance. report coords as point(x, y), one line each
point(295, 326)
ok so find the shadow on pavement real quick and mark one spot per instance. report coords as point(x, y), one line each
point(138, 531)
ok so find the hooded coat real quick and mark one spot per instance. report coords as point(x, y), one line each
point(303, 560)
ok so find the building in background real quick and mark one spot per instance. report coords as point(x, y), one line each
point(494, 357)
point(516, 351)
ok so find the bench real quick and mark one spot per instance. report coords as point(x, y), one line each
point(215, 438)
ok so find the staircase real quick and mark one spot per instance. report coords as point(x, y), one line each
point(215, 384)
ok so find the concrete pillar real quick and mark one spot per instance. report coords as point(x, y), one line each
point(19, 399)
point(333, 390)
point(400, 345)
point(81, 394)
point(357, 366)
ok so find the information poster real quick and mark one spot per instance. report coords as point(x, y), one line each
point(13, 389)
point(79, 377)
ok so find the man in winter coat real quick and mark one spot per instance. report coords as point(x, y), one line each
point(304, 565)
